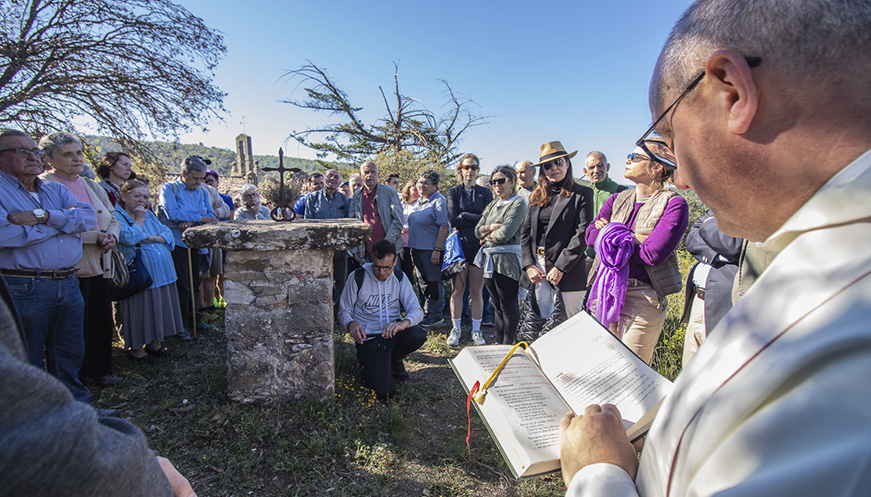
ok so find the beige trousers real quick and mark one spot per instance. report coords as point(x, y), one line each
point(641, 320)
point(696, 332)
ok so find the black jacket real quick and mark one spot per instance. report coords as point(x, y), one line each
point(711, 246)
point(464, 212)
point(563, 240)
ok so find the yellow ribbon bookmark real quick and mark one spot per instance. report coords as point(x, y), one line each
point(479, 398)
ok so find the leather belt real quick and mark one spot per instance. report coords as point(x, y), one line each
point(634, 283)
point(540, 251)
point(57, 274)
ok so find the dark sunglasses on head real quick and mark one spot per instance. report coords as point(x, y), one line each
point(556, 162)
point(636, 157)
point(498, 181)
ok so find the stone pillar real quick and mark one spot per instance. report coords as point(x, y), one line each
point(279, 318)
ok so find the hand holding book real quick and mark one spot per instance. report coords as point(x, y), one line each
point(597, 436)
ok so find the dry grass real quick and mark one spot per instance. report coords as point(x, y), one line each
point(352, 445)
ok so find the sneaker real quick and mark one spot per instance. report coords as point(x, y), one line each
point(205, 328)
point(454, 337)
point(399, 372)
point(430, 321)
point(488, 323)
point(184, 335)
point(478, 338)
point(105, 412)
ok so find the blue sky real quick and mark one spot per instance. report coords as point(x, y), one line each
point(573, 71)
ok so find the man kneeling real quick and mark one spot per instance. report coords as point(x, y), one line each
point(369, 309)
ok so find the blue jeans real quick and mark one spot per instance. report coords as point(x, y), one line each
point(52, 313)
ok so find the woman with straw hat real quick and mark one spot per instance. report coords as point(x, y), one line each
point(552, 240)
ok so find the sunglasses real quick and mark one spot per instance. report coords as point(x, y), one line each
point(636, 157)
point(556, 162)
point(469, 167)
point(498, 181)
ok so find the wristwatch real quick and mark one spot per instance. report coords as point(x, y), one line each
point(40, 215)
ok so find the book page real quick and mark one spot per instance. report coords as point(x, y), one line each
point(521, 410)
point(589, 365)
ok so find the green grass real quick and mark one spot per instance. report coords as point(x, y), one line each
point(351, 445)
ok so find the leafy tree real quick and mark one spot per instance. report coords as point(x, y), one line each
point(406, 126)
point(133, 68)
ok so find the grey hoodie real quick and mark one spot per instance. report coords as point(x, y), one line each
point(377, 302)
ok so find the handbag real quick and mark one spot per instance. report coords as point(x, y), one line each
point(138, 281)
point(455, 261)
point(120, 276)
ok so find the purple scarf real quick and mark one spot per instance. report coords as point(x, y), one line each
point(614, 246)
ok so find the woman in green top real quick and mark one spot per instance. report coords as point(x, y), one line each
point(499, 232)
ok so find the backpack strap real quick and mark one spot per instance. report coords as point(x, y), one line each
point(359, 273)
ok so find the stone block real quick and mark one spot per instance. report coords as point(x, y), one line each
point(237, 293)
point(262, 236)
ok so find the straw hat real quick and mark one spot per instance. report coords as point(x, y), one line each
point(553, 150)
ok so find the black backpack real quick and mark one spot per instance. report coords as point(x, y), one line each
point(359, 273)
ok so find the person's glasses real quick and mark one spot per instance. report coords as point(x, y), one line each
point(556, 162)
point(251, 195)
point(666, 161)
point(498, 181)
point(381, 268)
point(636, 157)
point(469, 167)
point(211, 181)
point(25, 152)
point(423, 183)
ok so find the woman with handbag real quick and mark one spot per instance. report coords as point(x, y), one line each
point(639, 228)
point(63, 154)
point(154, 314)
point(499, 259)
point(466, 202)
point(552, 240)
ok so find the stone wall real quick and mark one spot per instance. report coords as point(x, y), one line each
point(279, 325)
point(279, 319)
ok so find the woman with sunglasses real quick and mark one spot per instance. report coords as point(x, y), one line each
point(499, 258)
point(654, 218)
point(466, 202)
point(552, 240)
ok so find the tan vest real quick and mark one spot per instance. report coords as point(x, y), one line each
point(666, 278)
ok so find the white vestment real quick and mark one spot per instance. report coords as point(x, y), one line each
point(777, 401)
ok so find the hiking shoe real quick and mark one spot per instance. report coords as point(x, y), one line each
point(430, 321)
point(103, 381)
point(400, 375)
point(487, 323)
point(454, 337)
point(478, 338)
point(184, 335)
point(205, 328)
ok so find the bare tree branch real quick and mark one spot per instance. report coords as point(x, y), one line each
point(138, 70)
point(409, 126)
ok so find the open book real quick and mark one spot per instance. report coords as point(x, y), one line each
point(577, 364)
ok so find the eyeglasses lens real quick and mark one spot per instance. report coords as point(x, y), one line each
point(556, 162)
point(498, 181)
